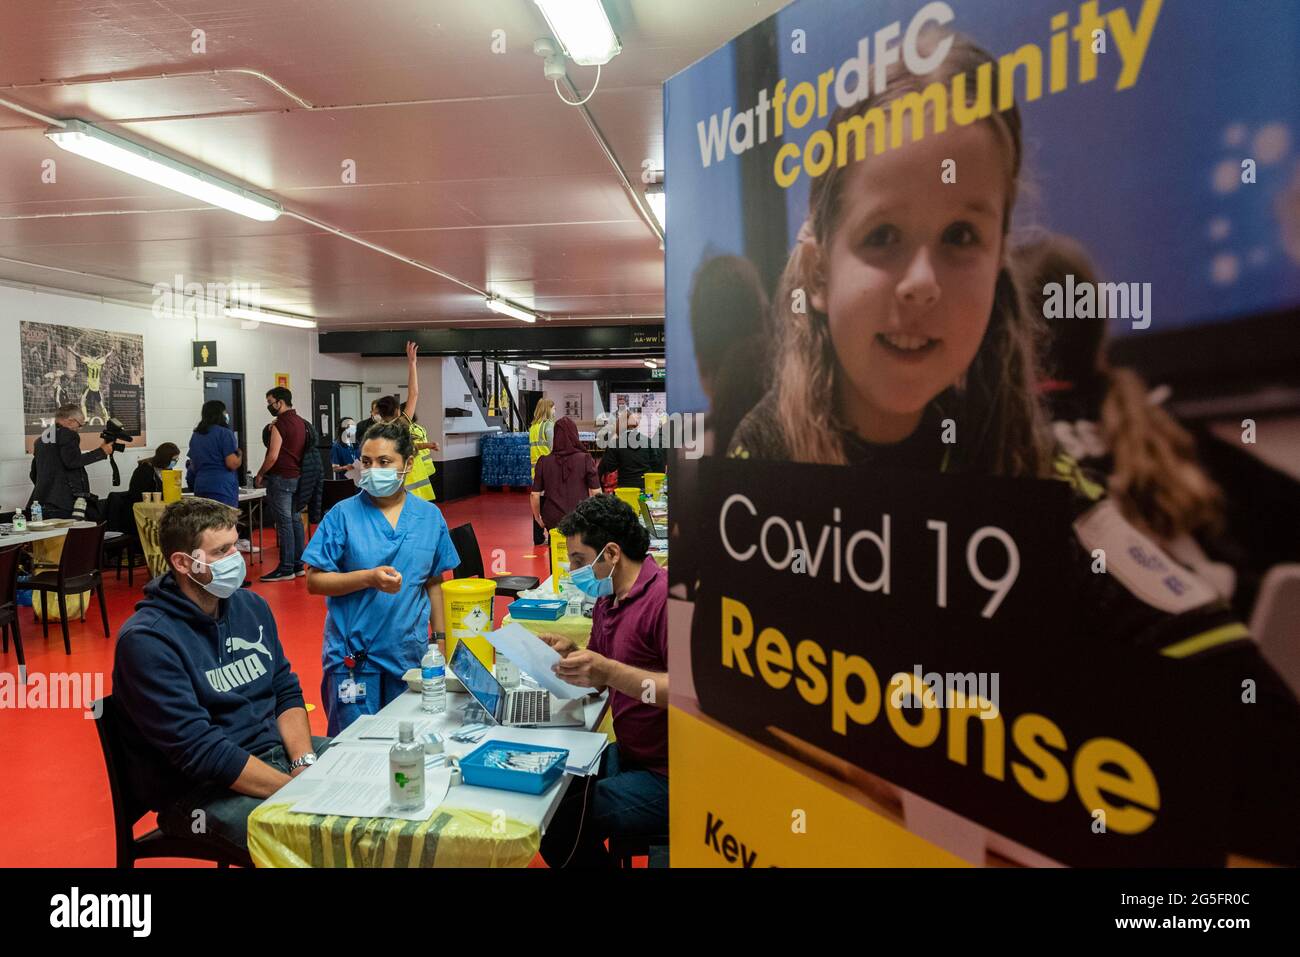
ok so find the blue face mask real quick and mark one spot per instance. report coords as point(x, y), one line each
point(381, 483)
point(585, 580)
point(227, 575)
point(175, 462)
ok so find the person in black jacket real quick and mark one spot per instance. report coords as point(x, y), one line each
point(58, 471)
point(311, 481)
point(146, 477)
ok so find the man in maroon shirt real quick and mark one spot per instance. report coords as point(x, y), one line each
point(628, 654)
point(281, 472)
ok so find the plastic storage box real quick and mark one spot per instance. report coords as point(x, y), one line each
point(478, 772)
point(537, 609)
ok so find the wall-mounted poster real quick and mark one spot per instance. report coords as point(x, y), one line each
point(923, 610)
point(100, 372)
point(573, 405)
point(282, 380)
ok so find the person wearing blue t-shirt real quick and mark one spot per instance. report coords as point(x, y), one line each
point(214, 456)
point(379, 557)
point(344, 451)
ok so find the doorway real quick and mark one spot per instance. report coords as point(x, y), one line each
point(229, 388)
point(332, 401)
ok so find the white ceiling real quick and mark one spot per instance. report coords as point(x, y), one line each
point(489, 178)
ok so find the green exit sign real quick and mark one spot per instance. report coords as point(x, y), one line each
point(657, 373)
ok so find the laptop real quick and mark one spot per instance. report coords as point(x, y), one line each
point(656, 529)
point(518, 708)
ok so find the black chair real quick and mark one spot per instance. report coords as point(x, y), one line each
point(471, 564)
point(121, 539)
point(79, 571)
point(9, 602)
point(128, 809)
point(653, 848)
point(335, 491)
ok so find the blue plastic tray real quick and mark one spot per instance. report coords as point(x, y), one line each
point(477, 773)
point(537, 609)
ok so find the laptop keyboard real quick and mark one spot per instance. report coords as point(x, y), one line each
point(529, 707)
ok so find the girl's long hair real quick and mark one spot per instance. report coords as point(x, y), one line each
point(543, 410)
point(1155, 478)
point(1000, 423)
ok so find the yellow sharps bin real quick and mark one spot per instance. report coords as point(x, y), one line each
point(630, 495)
point(559, 560)
point(468, 606)
point(171, 483)
point(654, 481)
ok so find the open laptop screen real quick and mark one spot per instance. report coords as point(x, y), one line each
point(476, 678)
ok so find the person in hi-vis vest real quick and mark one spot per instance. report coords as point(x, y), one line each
point(419, 477)
point(540, 436)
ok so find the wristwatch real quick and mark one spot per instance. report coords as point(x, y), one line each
point(437, 636)
point(307, 760)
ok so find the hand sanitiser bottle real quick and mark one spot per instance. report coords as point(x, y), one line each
point(20, 523)
point(406, 769)
point(433, 673)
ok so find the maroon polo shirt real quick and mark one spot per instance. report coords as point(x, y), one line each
point(635, 632)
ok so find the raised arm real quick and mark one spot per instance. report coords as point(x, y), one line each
point(412, 381)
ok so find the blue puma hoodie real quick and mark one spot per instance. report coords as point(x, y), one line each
point(202, 692)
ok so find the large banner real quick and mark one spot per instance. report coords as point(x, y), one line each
point(920, 614)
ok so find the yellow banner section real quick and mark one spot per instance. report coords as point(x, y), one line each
point(733, 805)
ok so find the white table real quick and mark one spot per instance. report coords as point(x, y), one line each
point(535, 810)
point(26, 538)
point(247, 498)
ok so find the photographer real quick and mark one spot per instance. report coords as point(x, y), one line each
point(58, 470)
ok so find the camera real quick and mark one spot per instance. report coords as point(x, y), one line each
point(116, 433)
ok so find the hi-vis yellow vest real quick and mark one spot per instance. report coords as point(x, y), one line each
point(537, 446)
point(419, 480)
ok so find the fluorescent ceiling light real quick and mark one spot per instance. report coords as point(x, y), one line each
point(542, 366)
point(658, 200)
point(93, 143)
point(583, 29)
point(276, 318)
point(650, 364)
point(508, 308)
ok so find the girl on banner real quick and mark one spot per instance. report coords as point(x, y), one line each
point(915, 351)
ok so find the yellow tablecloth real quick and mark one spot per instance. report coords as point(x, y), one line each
point(46, 553)
point(278, 837)
point(576, 628)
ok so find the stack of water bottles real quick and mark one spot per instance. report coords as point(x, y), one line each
point(505, 459)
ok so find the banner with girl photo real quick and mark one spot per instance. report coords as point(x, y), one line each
point(978, 302)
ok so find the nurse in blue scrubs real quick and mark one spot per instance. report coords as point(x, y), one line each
point(379, 558)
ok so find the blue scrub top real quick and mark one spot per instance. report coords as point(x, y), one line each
point(343, 454)
point(208, 474)
point(393, 630)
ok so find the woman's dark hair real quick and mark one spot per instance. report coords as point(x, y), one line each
point(393, 432)
point(163, 455)
point(212, 413)
point(607, 518)
point(386, 406)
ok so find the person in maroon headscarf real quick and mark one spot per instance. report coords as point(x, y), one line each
point(563, 478)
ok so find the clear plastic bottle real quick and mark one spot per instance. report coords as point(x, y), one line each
point(20, 522)
point(406, 769)
point(433, 673)
point(38, 513)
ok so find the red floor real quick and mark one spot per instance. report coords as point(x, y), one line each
point(55, 801)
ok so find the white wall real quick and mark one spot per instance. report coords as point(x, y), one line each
point(173, 393)
point(556, 389)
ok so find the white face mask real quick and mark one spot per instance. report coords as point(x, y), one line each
point(228, 574)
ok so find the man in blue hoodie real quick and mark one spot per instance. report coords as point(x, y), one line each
point(213, 710)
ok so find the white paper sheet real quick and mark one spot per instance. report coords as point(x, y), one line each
point(535, 657)
point(354, 783)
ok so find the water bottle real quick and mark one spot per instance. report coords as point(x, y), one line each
point(38, 513)
point(20, 523)
point(406, 769)
point(433, 672)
